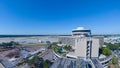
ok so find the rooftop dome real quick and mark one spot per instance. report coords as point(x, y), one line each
point(80, 28)
point(81, 31)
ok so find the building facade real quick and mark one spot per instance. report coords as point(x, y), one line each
point(83, 44)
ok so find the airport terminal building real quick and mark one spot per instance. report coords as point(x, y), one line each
point(84, 45)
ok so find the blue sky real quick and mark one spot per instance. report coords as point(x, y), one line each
point(59, 16)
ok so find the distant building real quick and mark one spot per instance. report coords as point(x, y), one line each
point(83, 44)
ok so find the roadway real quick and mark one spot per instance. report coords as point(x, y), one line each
point(97, 63)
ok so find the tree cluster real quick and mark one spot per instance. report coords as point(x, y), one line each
point(67, 47)
point(11, 44)
point(114, 60)
point(106, 51)
point(37, 62)
point(113, 47)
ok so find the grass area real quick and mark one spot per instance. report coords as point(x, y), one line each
point(1, 49)
point(34, 44)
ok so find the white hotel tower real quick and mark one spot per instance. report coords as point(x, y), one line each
point(83, 44)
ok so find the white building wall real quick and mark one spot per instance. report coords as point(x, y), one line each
point(81, 47)
point(95, 47)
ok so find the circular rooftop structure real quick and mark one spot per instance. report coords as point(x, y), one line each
point(80, 28)
point(81, 31)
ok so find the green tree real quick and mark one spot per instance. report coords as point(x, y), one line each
point(49, 47)
point(4, 45)
point(115, 60)
point(113, 47)
point(106, 52)
point(54, 43)
point(46, 64)
point(9, 44)
point(34, 61)
point(13, 43)
point(60, 42)
point(67, 47)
